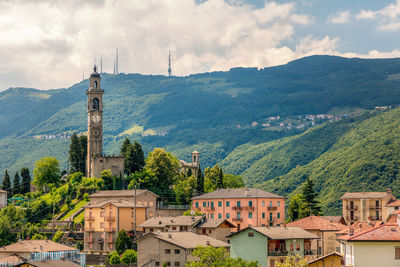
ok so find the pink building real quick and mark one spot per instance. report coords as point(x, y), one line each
point(243, 206)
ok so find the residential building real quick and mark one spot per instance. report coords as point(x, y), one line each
point(3, 198)
point(41, 250)
point(104, 219)
point(333, 259)
point(243, 207)
point(172, 248)
point(324, 229)
point(378, 246)
point(216, 228)
point(336, 219)
point(366, 206)
point(356, 228)
point(268, 245)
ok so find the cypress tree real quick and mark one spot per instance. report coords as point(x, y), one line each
point(6, 183)
point(220, 177)
point(82, 153)
point(16, 189)
point(124, 146)
point(189, 173)
point(74, 153)
point(310, 197)
point(200, 181)
point(134, 158)
point(26, 181)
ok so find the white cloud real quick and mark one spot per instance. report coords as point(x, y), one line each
point(340, 17)
point(366, 14)
point(388, 18)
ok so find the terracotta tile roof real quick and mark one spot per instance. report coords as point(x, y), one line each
point(325, 256)
point(238, 193)
point(120, 193)
point(36, 246)
point(14, 259)
point(118, 203)
point(187, 164)
point(189, 240)
point(280, 233)
point(317, 223)
point(214, 223)
point(161, 222)
point(384, 232)
point(394, 203)
point(336, 219)
point(365, 195)
point(357, 227)
point(56, 264)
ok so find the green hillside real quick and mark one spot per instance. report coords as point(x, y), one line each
point(210, 112)
point(357, 154)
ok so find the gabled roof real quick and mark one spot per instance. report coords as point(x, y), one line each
point(238, 193)
point(336, 219)
point(120, 193)
point(280, 233)
point(161, 222)
point(317, 223)
point(187, 240)
point(36, 246)
point(327, 255)
point(118, 203)
point(214, 223)
point(357, 227)
point(393, 203)
point(384, 232)
point(13, 259)
point(365, 195)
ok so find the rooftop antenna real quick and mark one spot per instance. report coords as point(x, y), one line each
point(169, 64)
point(114, 68)
point(116, 62)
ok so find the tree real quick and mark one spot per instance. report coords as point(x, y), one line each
point(212, 256)
point(297, 208)
point(16, 189)
point(77, 153)
point(184, 189)
point(6, 183)
point(134, 158)
point(233, 181)
point(107, 176)
point(215, 175)
point(164, 166)
point(188, 213)
point(46, 172)
point(123, 242)
point(125, 145)
point(115, 259)
point(6, 237)
point(292, 261)
point(26, 180)
point(129, 256)
point(200, 182)
point(310, 197)
point(57, 236)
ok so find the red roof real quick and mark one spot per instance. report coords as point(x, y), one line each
point(384, 232)
point(317, 223)
point(394, 203)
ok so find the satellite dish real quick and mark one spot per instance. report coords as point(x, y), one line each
point(192, 212)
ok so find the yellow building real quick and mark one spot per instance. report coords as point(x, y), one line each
point(367, 206)
point(333, 259)
point(104, 219)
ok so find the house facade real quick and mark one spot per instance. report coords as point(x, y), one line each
point(243, 207)
point(3, 198)
point(269, 245)
point(367, 206)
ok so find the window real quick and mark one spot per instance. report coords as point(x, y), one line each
point(157, 263)
point(227, 203)
point(197, 204)
point(250, 203)
point(219, 215)
point(177, 263)
point(151, 230)
point(396, 208)
point(270, 216)
point(177, 251)
point(297, 247)
point(102, 225)
point(250, 234)
point(212, 204)
point(238, 203)
point(228, 215)
point(102, 213)
point(238, 215)
point(278, 215)
point(397, 253)
point(291, 247)
point(174, 228)
point(168, 263)
point(167, 251)
point(270, 203)
point(110, 246)
point(250, 215)
point(377, 203)
point(212, 215)
point(263, 203)
point(263, 215)
point(204, 204)
point(219, 203)
point(278, 203)
point(132, 213)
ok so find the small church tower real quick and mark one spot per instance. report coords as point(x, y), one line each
point(195, 159)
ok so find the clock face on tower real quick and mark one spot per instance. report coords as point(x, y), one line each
point(96, 118)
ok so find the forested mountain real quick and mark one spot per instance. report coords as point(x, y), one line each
point(211, 112)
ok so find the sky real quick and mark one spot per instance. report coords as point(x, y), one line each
point(49, 44)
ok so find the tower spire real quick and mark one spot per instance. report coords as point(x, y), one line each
point(169, 64)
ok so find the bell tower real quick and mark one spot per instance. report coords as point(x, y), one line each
point(95, 123)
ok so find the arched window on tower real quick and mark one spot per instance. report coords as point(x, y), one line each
point(95, 84)
point(95, 103)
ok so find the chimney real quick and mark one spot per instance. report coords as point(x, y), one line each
point(388, 191)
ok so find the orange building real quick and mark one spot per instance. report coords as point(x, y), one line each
point(244, 207)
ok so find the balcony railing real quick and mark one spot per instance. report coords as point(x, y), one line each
point(354, 218)
point(89, 218)
point(237, 207)
point(375, 218)
point(248, 207)
point(109, 218)
point(277, 253)
point(352, 207)
point(272, 208)
point(237, 219)
point(109, 229)
point(375, 207)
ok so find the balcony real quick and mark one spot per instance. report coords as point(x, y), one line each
point(237, 219)
point(209, 208)
point(272, 208)
point(109, 218)
point(237, 208)
point(354, 218)
point(277, 253)
point(375, 207)
point(109, 229)
point(375, 218)
point(89, 218)
point(247, 208)
point(352, 207)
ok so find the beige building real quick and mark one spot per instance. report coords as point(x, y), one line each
point(326, 231)
point(96, 162)
point(215, 228)
point(104, 219)
point(333, 259)
point(367, 206)
point(3, 198)
point(172, 248)
point(192, 166)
